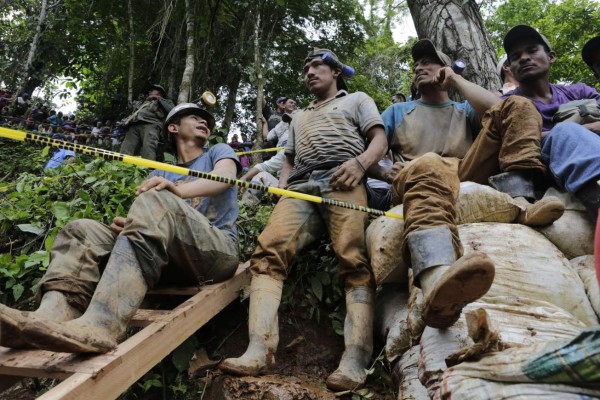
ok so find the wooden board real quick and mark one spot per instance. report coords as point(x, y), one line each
point(106, 376)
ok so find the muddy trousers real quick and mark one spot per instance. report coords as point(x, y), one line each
point(142, 139)
point(296, 223)
point(174, 244)
point(428, 186)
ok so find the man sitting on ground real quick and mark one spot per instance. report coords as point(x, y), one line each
point(179, 230)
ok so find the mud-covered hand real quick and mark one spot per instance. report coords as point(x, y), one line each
point(158, 183)
point(348, 176)
point(444, 78)
point(393, 172)
point(117, 225)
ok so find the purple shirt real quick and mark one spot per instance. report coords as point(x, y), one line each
point(561, 94)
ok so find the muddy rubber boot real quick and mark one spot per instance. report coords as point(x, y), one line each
point(263, 329)
point(541, 213)
point(358, 340)
point(118, 295)
point(54, 306)
point(447, 285)
point(589, 195)
point(519, 185)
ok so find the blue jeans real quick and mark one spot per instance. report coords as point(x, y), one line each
point(572, 154)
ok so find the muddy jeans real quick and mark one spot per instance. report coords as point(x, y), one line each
point(142, 139)
point(296, 223)
point(173, 242)
point(428, 186)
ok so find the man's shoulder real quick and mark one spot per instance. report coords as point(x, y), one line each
point(221, 149)
point(575, 91)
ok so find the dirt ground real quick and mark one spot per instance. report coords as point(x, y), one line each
point(308, 352)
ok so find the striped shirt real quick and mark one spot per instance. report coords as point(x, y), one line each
point(323, 136)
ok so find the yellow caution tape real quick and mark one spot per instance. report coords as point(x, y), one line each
point(241, 153)
point(142, 162)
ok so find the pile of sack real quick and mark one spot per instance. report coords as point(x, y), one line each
point(525, 337)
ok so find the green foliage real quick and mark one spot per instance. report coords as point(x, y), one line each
point(567, 24)
point(250, 223)
point(36, 206)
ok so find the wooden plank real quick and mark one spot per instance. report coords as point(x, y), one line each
point(47, 364)
point(143, 318)
point(134, 357)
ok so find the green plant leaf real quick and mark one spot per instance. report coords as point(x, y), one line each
point(30, 228)
point(18, 290)
point(317, 288)
point(60, 210)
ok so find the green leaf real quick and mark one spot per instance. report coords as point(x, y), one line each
point(60, 210)
point(317, 288)
point(17, 290)
point(30, 228)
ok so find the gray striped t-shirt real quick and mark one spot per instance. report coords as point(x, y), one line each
point(326, 135)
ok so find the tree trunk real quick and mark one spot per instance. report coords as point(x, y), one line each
point(33, 49)
point(260, 82)
point(188, 72)
point(232, 90)
point(457, 29)
point(131, 55)
point(172, 90)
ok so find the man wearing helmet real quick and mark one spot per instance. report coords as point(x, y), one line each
point(179, 230)
point(330, 145)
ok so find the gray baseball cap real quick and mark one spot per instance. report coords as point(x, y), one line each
point(521, 32)
point(426, 48)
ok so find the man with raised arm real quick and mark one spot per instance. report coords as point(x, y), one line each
point(435, 144)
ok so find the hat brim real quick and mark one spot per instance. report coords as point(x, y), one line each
point(521, 32)
point(589, 49)
point(425, 48)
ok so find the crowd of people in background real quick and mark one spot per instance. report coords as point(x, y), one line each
point(36, 117)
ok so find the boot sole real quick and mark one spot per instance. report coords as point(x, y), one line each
point(244, 371)
point(339, 383)
point(467, 280)
point(48, 335)
point(543, 213)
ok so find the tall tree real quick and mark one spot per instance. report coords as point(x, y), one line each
point(190, 62)
point(456, 28)
point(131, 55)
point(567, 24)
